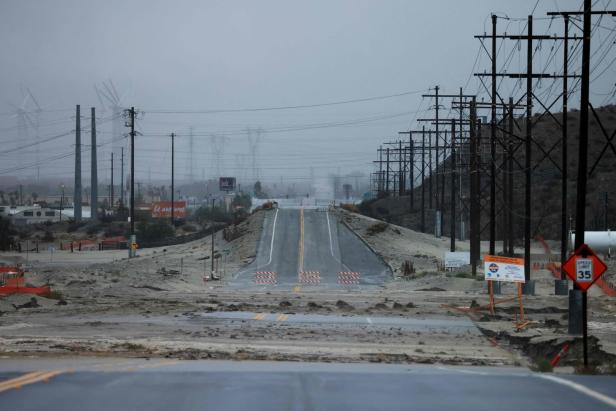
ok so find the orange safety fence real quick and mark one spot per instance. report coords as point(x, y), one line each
point(12, 281)
point(79, 245)
point(91, 245)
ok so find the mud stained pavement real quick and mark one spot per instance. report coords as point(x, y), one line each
point(310, 247)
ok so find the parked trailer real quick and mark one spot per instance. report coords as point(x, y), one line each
point(603, 242)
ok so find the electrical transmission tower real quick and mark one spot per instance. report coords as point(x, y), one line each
point(255, 137)
point(191, 149)
point(218, 150)
point(109, 97)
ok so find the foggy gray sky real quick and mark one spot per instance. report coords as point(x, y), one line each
point(208, 55)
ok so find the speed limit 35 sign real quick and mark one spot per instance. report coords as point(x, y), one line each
point(584, 267)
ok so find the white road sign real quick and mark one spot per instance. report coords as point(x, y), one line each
point(457, 259)
point(583, 269)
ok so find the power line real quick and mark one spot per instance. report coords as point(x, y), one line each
point(295, 107)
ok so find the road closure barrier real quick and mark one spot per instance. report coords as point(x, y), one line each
point(348, 278)
point(310, 277)
point(266, 278)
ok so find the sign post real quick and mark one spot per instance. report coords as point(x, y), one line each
point(584, 268)
point(505, 269)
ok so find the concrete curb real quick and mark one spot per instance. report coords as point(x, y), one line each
point(363, 240)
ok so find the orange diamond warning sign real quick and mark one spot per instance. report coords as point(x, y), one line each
point(584, 267)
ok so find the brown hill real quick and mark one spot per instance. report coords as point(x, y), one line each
point(546, 182)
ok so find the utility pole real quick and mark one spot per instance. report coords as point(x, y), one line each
point(380, 180)
point(453, 186)
point(412, 171)
point(122, 177)
point(93, 169)
point(564, 173)
point(387, 174)
point(111, 187)
point(493, 144)
point(133, 237)
point(527, 160)
point(77, 193)
point(172, 178)
point(474, 137)
point(400, 171)
point(213, 238)
point(62, 202)
point(580, 212)
point(411, 151)
point(430, 167)
point(505, 187)
point(423, 190)
point(439, 200)
point(191, 149)
point(511, 200)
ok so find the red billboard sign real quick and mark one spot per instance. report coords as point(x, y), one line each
point(162, 209)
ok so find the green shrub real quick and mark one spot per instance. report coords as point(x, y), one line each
point(48, 237)
point(543, 365)
point(242, 200)
point(7, 231)
point(154, 231)
point(209, 214)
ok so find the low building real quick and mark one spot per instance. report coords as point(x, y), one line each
point(36, 215)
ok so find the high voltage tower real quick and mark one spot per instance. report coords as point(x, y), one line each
point(217, 142)
point(191, 149)
point(255, 138)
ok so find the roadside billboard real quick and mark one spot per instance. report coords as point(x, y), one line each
point(162, 209)
point(226, 183)
point(506, 269)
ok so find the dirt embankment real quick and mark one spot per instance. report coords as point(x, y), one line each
point(397, 245)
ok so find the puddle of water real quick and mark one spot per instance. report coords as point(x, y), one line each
point(444, 325)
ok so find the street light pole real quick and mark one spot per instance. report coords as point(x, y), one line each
point(172, 177)
point(61, 202)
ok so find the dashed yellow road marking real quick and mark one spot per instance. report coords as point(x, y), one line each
point(259, 316)
point(297, 289)
point(45, 376)
point(30, 378)
point(282, 317)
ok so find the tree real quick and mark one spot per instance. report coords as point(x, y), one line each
point(242, 200)
point(258, 190)
point(6, 234)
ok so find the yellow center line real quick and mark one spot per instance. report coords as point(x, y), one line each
point(282, 317)
point(24, 377)
point(27, 379)
point(259, 316)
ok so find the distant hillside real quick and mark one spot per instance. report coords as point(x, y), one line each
point(546, 190)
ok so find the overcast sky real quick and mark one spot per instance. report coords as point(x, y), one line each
point(167, 57)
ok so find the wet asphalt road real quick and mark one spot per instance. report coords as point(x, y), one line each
point(108, 384)
point(310, 248)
